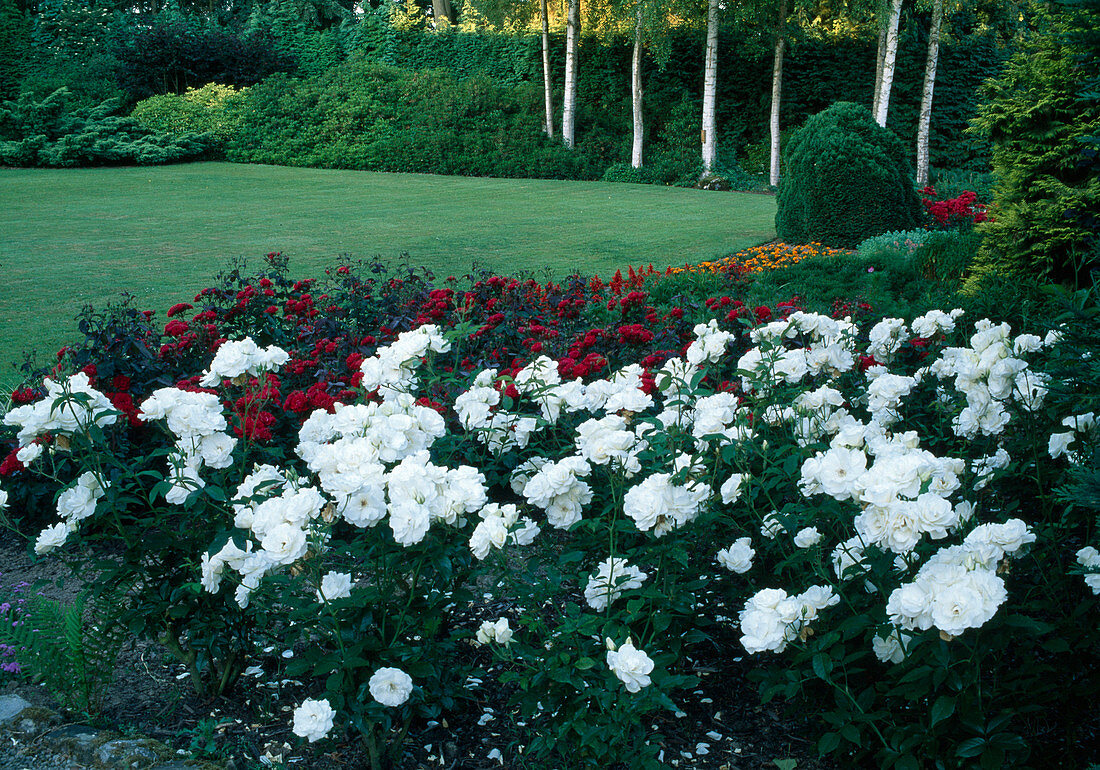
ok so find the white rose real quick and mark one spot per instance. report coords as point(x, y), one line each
point(313, 719)
point(807, 537)
point(390, 686)
point(334, 585)
point(738, 557)
point(28, 454)
point(631, 665)
point(51, 537)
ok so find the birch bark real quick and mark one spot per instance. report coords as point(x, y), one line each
point(569, 100)
point(777, 91)
point(924, 127)
point(882, 108)
point(636, 90)
point(710, 89)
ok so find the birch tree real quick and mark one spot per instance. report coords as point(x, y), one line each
point(548, 92)
point(710, 89)
point(925, 123)
point(882, 101)
point(636, 89)
point(569, 99)
point(777, 91)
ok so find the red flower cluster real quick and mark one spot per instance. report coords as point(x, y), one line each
point(963, 211)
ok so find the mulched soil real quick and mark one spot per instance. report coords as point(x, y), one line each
point(722, 727)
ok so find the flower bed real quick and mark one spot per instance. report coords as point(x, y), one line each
point(343, 467)
point(770, 256)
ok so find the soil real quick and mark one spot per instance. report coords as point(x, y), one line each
point(722, 727)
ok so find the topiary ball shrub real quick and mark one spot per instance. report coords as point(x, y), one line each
point(846, 179)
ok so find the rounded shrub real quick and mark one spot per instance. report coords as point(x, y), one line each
point(846, 179)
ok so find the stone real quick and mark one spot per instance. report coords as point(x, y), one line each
point(11, 706)
point(76, 741)
point(130, 754)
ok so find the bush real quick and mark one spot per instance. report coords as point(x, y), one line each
point(47, 133)
point(867, 484)
point(198, 110)
point(380, 118)
point(1043, 128)
point(900, 242)
point(846, 180)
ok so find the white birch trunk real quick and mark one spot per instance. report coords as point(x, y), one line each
point(546, 86)
point(924, 127)
point(569, 100)
point(636, 90)
point(882, 109)
point(777, 91)
point(880, 54)
point(710, 89)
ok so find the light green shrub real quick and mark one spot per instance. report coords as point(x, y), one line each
point(209, 109)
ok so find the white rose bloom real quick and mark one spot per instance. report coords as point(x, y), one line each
point(1088, 557)
point(631, 665)
point(409, 522)
point(390, 686)
point(731, 488)
point(1059, 443)
point(52, 537)
point(29, 453)
point(284, 544)
point(807, 537)
point(76, 503)
point(3, 499)
point(611, 579)
point(495, 631)
point(313, 719)
point(334, 585)
point(738, 557)
point(892, 649)
point(217, 450)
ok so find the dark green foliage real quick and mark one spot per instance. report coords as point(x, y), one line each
point(47, 133)
point(171, 55)
point(950, 183)
point(1043, 127)
point(379, 118)
point(846, 179)
point(818, 71)
point(15, 43)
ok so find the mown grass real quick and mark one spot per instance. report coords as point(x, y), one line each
point(83, 236)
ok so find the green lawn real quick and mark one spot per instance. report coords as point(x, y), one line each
point(82, 236)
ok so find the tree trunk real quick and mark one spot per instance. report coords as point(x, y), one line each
point(546, 69)
point(636, 90)
point(880, 54)
point(569, 100)
point(888, 62)
point(925, 125)
point(777, 90)
point(710, 89)
point(441, 13)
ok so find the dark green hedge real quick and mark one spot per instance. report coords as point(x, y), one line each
point(375, 117)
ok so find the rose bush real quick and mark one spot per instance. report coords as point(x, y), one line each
point(342, 468)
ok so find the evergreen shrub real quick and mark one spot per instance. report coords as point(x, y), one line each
point(1043, 121)
point(48, 133)
point(846, 180)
